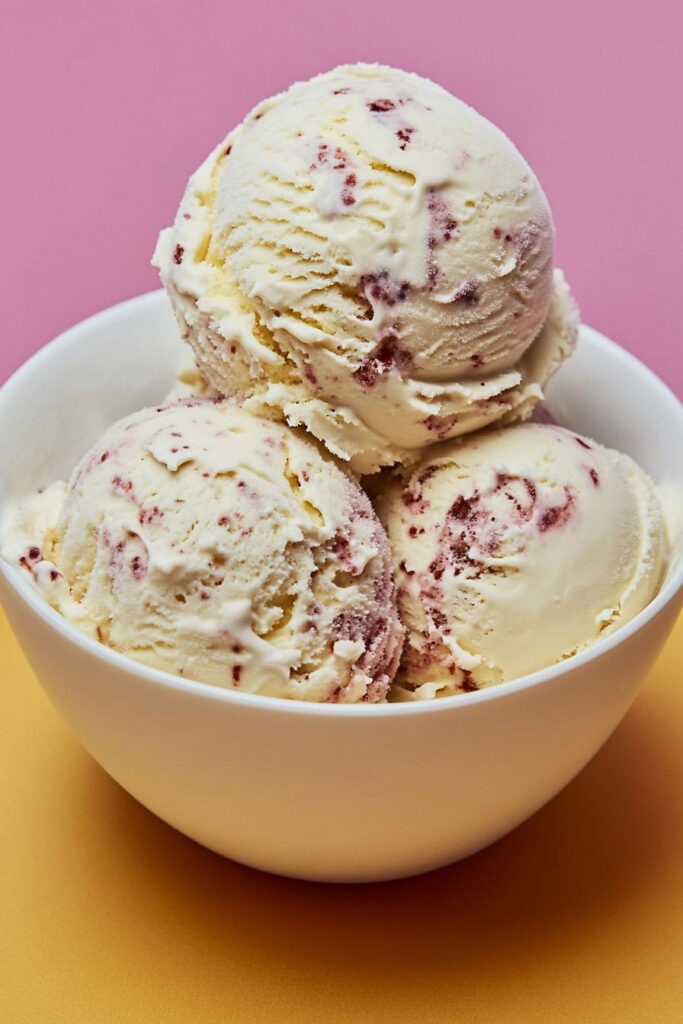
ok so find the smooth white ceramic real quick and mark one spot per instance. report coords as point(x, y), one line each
point(335, 793)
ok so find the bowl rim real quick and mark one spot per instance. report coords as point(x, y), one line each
point(501, 691)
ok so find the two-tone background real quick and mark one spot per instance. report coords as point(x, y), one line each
point(106, 914)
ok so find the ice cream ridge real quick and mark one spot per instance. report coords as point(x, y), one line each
point(367, 256)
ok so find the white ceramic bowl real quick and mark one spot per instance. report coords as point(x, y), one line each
point(319, 791)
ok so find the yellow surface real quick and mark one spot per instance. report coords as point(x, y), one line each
point(108, 915)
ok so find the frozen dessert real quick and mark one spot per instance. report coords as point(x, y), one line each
point(203, 541)
point(189, 382)
point(368, 257)
point(514, 549)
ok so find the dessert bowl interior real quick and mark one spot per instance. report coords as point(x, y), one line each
point(322, 792)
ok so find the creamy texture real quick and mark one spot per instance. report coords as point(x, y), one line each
point(370, 258)
point(514, 549)
point(203, 541)
point(189, 382)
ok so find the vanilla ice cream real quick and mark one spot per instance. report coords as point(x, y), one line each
point(370, 258)
point(514, 549)
point(203, 541)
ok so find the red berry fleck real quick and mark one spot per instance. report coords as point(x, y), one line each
point(467, 683)
point(468, 294)
point(381, 106)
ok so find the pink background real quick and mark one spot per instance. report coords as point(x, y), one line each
point(109, 107)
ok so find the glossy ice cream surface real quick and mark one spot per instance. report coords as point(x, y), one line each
point(516, 548)
point(200, 540)
point(370, 258)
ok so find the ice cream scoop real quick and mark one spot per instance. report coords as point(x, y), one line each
point(367, 256)
point(201, 540)
point(514, 549)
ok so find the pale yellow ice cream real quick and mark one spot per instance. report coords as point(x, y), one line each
point(200, 540)
point(370, 258)
point(514, 549)
point(188, 382)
